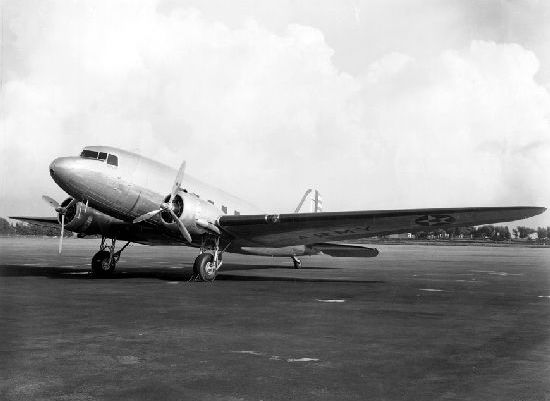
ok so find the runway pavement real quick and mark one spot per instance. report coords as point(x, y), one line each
point(415, 323)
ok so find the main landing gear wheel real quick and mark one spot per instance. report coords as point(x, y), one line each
point(102, 264)
point(205, 267)
point(297, 262)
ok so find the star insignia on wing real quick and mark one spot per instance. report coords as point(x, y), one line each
point(435, 220)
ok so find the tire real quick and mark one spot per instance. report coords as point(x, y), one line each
point(204, 267)
point(100, 264)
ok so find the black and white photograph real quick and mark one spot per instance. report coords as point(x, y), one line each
point(274, 200)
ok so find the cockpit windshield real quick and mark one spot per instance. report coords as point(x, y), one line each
point(88, 154)
point(101, 156)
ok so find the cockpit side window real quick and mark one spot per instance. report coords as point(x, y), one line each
point(88, 154)
point(112, 160)
point(102, 156)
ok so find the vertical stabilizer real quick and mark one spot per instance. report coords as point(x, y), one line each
point(297, 210)
point(315, 202)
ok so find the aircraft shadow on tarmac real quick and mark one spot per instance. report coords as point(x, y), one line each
point(184, 274)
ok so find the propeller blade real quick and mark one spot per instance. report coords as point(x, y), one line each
point(146, 216)
point(53, 203)
point(177, 183)
point(62, 232)
point(181, 227)
point(72, 202)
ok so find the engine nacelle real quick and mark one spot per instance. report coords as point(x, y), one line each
point(197, 215)
point(84, 219)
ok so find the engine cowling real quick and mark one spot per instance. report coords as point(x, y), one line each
point(197, 215)
point(84, 219)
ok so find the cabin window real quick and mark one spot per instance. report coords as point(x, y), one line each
point(102, 156)
point(88, 154)
point(112, 160)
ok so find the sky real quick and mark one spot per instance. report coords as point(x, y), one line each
point(377, 104)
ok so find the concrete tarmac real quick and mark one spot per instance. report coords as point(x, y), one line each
point(415, 323)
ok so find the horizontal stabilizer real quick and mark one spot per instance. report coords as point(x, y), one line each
point(346, 250)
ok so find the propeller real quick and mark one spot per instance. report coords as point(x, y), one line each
point(168, 206)
point(62, 210)
point(53, 203)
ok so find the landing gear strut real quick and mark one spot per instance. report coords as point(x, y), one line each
point(207, 264)
point(297, 262)
point(104, 261)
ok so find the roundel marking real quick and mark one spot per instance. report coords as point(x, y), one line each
point(435, 220)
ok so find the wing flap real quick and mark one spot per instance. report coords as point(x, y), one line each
point(311, 228)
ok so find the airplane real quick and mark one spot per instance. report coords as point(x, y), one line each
point(121, 195)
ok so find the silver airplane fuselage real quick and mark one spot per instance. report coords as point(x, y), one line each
point(136, 185)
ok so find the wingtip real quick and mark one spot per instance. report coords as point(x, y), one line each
point(536, 210)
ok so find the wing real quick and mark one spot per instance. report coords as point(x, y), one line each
point(41, 221)
point(309, 228)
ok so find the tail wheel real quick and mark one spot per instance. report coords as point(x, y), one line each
point(204, 267)
point(101, 265)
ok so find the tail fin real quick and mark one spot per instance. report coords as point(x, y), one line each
point(316, 202)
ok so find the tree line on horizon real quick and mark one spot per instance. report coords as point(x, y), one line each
point(495, 233)
point(20, 228)
point(492, 232)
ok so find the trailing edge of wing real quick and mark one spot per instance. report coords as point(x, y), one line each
point(41, 221)
point(310, 228)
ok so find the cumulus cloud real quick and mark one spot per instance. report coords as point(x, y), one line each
point(267, 114)
point(469, 125)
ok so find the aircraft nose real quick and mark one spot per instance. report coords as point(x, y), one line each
point(60, 167)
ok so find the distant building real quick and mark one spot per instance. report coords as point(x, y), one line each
point(401, 236)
